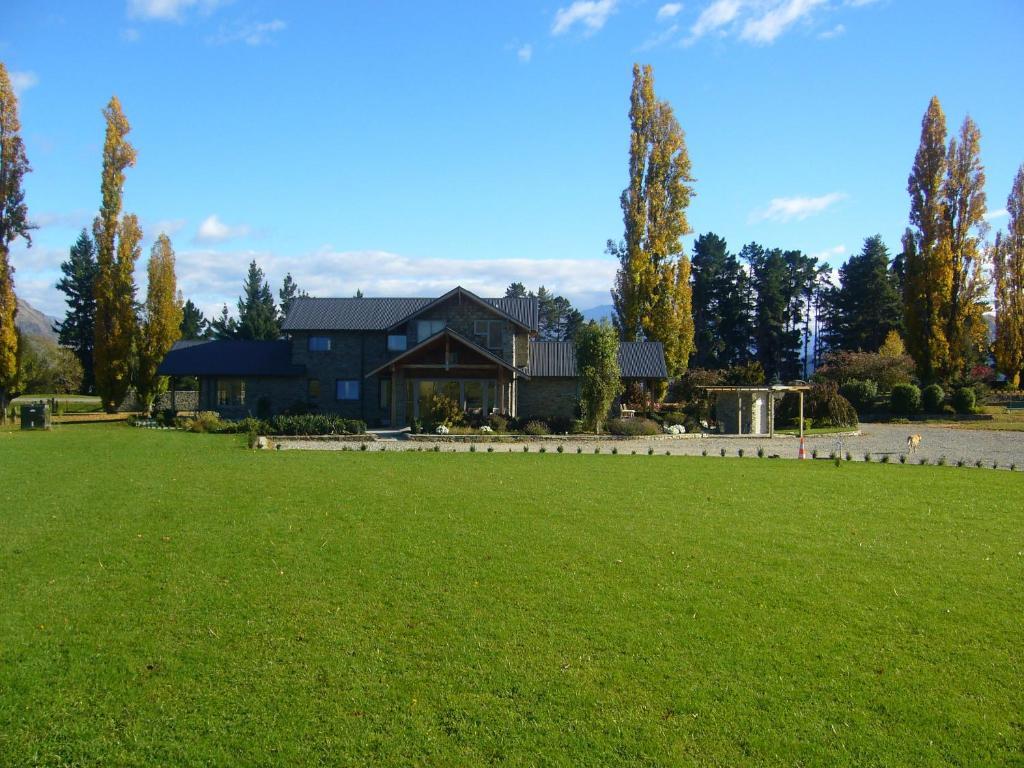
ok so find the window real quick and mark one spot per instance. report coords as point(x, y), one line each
point(347, 389)
point(397, 342)
point(319, 343)
point(385, 394)
point(230, 392)
point(427, 328)
point(314, 389)
point(489, 332)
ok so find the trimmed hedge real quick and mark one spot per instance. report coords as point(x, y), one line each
point(633, 427)
point(964, 400)
point(932, 398)
point(861, 394)
point(905, 399)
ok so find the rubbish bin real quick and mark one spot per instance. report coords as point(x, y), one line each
point(35, 416)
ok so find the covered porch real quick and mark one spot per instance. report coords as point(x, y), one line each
point(448, 364)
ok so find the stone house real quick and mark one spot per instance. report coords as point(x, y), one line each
point(377, 359)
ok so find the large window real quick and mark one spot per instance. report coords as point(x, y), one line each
point(230, 391)
point(427, 328)
point(397, 342)
point(347, 389)
point(319, 343)
point(490, 333)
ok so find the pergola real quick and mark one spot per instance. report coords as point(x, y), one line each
point(771, 392)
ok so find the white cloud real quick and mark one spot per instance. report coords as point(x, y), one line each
point(524, 53)
point(786, 209)
point(213, 230)
point(717, 15)
point(997, 214)
point(169, 227)
point(772, 23)
point(250, 33)
point(168, 10)
point(669, 10)
point(659, 39)
point(22, 81)
point(829, 253)
point(592, 14)
point(836, 31)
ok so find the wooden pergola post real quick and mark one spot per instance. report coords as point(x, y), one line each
point(739, 413)
point(801, 393)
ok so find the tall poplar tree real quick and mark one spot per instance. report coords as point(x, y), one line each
point(1008, 272)
point(652, 294)
point(117, 246)
point(964, 204)
point(14, 223)
point(78, 330)
point(927, 273)
point(161, 321)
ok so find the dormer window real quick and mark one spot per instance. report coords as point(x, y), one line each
point(427, 328)
point(489, 332)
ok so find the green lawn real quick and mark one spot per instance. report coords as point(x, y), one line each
point(174, 599)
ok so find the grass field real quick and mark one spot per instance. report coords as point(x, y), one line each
point(174, 599)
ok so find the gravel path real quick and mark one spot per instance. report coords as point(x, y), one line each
point(1004, 448)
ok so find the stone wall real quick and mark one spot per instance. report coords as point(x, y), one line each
point(352, 355)
point(183, 400)
point(548, 396)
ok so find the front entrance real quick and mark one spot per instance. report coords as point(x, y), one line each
point(476, 397)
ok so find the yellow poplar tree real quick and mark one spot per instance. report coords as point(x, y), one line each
point(927, 269)
point(117, 248)
point(964, 204)
point(1008, 271)
point(652, 294)
point(14, 223)
point(161, 321)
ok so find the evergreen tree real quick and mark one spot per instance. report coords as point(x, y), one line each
point(117, 245)
point(867, 305)
point(257, 315)
point(194, 324)
point(652, 287)
point(161, 321)
point(515, 291)
point(289, 292)
point(927, 273)
point(224, 326)
point(1008, 271)
point(14, 223)
point(78, 331)
point(597, 360)
point(721, 305)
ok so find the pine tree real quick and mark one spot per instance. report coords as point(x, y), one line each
point(515, 291)
point(867, 305)
point(1008, 273)
point(964, 204)
point(928, 276)
point(161, 321)
point(14, 223)
point(224, 326)
point(78, 330)
point(721, 305)
point(652, 294)
point(780, 281)
point(194, 324)
point(117, 246)
point(257, 315)
point(289, 292)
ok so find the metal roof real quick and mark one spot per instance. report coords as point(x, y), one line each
point(230, 358)
point(380, 314)
point(637, 359)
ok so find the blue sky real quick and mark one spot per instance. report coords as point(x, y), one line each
point(401, 148)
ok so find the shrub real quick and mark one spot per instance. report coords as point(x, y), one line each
point(814, 453)
point(829, 408)
point(964, 400)
point(536, 427)
point(498, 423)
point(704, 452)
point(941, 461)
point(615, 450)
point(490, 449)
point(543, 449)
point(740, 453)
point(885, 458)
point(903, 458)
point(362, 446)
point(560, 448)
point(978, 463)
point(559, 425)
point(721, 452)
point(440, 409)
point(472, 449)
point(849, 456)
point(526, 449)
point(867, 457)
point(885, 370)
point(650, 451)
point(252, 438)
point(633, 427)
point(315, 424)
point(960, 462)
point(932, 398)
point(905, 399)
point(860, 393)
point(206, 421)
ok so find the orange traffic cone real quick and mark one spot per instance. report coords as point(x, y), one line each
point(803, 453)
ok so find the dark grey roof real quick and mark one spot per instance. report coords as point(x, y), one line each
point(379, 314)
point(230, 358)
point(637, 359)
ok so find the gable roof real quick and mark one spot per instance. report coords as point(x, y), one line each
point(230, 357)
point(486, 353)
point(637, 359)
point(381, 314)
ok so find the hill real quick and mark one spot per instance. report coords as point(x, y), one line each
point(32, 322)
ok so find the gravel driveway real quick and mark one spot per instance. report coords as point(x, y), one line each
point(1004, 448)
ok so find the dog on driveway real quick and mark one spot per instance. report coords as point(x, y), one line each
point(913, 442)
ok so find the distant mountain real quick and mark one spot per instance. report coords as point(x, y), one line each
point(32, 322)
point(606, 311)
